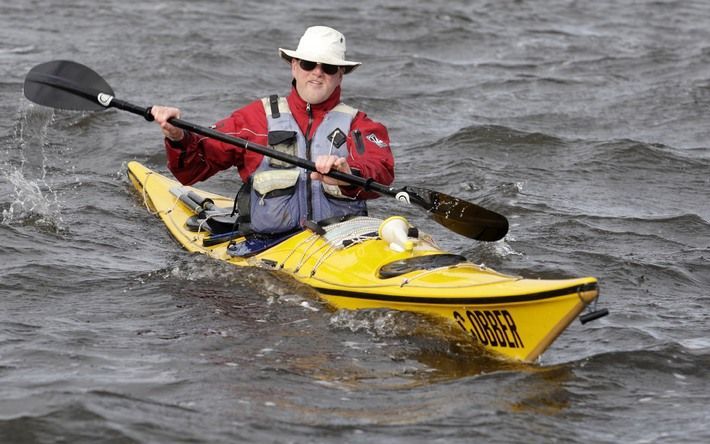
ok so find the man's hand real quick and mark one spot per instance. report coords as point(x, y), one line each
point(325, 164)
point(162, 114)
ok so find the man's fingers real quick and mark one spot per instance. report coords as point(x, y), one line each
point(162, 114)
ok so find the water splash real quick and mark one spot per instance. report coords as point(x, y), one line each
point(379, 323)
point(24, 162)
point(385, 323)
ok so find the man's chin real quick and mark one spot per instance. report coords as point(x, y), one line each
point(315, 100)
point(314, 96)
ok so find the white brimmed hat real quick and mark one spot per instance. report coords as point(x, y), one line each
point(321, 44)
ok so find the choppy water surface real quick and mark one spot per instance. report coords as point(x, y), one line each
point(585, 123)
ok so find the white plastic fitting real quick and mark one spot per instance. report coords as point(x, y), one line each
point(393, 230)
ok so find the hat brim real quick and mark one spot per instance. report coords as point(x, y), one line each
point(288, 55)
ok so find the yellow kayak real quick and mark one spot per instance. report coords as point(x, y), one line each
point(369, 263)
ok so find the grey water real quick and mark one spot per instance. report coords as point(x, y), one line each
point(585, 123)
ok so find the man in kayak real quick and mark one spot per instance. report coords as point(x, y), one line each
point(310, 123)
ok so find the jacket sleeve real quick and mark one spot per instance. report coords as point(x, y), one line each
point(370, 155)
point(196, 158)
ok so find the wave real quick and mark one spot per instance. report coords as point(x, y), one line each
point(497, 134)
point(488, 139)
point(640, 155)
point(86, 417)
point(668, 358)
point(619, 178)
point(685, 228)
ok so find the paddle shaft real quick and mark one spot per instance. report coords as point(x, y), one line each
point(70, 85)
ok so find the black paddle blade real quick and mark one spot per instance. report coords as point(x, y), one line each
point(459, 216)
point(66, 85)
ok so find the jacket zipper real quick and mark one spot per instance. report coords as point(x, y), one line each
point(309, 140)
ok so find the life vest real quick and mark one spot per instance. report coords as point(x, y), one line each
point(282, 197)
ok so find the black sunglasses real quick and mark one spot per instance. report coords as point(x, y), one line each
point(326, 68)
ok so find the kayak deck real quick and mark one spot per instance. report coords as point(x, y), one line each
point(352, 268)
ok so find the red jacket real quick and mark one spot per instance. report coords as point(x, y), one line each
point(195, 158)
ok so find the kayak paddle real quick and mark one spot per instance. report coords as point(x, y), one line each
point(69, 85)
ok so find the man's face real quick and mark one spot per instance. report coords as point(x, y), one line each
point(315, 86)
